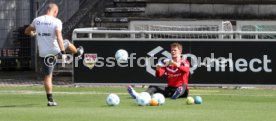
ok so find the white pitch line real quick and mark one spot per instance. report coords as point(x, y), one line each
point(27, 92)
point(42, 92)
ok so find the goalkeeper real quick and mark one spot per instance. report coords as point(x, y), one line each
point(176, 70)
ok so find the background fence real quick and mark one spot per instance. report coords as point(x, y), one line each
point(237, 60)
point(18, 51)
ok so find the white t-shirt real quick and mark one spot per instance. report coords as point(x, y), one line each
point(46, 27)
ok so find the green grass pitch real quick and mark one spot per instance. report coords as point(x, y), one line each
point(28, 103)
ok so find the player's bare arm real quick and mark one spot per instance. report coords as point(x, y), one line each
point(30, 31)
point(60, 40)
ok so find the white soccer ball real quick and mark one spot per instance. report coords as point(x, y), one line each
point(112, 99)
point(143, 99)
point(159, 97)
point(121, 55)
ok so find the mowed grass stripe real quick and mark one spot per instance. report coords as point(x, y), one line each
point(88, 104)
point(192, 93)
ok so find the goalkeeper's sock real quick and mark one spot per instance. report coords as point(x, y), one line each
point(50, 97)
point(179, 91)
point(132, 92)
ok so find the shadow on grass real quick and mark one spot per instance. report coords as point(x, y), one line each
point(15, 106)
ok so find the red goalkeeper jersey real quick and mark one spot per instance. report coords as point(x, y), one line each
point(176, 76)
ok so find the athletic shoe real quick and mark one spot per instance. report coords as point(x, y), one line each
point(177, 93)
point(80, 51)
point(52, 103)
point(132, 92)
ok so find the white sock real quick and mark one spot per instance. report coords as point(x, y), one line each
point(135, 93)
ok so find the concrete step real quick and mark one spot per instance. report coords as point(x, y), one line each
point(129, 1)
point(111, 20)
point(116, 22)
point(112, 25)
point(124, 9)
point(119, 19)
point(129, 4)
point(126, 14)
point(204, 1)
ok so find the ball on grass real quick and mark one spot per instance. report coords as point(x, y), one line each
point(190, 100)
point(198, 100)
point(143, 99)
point(153, 102)
point(112, 99)
point(160, 98)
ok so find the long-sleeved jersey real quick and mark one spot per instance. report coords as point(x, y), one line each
point(176, 76)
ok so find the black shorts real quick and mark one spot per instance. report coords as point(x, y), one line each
point(167, 91)
point(48, 64)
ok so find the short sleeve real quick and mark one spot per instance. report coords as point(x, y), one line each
point(58, 25)
point(33, 23)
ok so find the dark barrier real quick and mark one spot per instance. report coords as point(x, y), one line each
point(212, 62)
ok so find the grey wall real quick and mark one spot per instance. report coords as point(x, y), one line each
point(212, 11)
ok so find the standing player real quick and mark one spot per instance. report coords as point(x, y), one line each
point(47, 29)
point(176, 70)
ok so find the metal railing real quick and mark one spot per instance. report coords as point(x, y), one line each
point(93, 33)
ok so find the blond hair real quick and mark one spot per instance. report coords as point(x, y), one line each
point(51, 6)
point(178, 45)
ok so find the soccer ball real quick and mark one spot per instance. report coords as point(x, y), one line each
point(143, 99)
point(190, 100)
point(121, 55)
point(112, 100)
point(153, 102)
point(159, 97)
point(198, 100)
